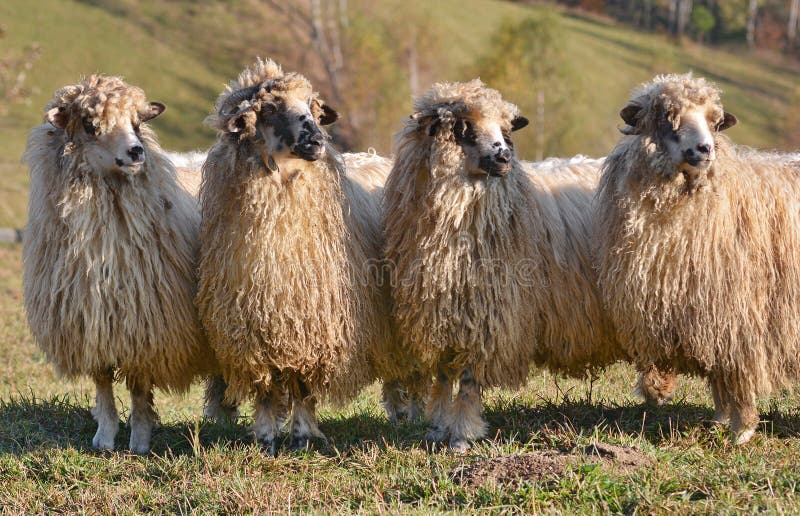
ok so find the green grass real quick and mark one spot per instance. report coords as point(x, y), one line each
point(368, 465)
point(182, 52)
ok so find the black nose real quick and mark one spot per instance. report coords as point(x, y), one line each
point(136, 152)
point(704, 149)
point(314, 140)
point(504, 156)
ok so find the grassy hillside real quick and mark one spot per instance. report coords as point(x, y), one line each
point(182, 52)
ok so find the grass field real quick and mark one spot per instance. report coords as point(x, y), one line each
point(556, 446)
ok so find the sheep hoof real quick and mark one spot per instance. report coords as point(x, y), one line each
point(436, 434)
point(414, 412)
point(139, 447)
point(298, 443)
point(744, 436)
point(459, 445)
point(722, 419)
point(270, 445)
point(101, 442)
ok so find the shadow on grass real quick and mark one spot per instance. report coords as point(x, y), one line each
point(28, 425)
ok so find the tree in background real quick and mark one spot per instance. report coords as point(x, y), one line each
point(702, 21)
point(535, 74)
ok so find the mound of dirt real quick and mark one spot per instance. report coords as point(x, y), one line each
point(622, 457)
point(547, 465)
point(513, 469)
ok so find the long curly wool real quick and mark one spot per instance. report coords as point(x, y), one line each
point(290, 271)
point(109, 260)
point(493, 274)
point(704, 280)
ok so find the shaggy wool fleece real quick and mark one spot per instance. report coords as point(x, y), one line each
point(493, 274)
point(704, 278)
point(291, 271)
point(109, 260)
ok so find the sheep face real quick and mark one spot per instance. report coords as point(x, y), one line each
point(283, 116)
point(102, 117)
point(681, 116)
point(484, 141)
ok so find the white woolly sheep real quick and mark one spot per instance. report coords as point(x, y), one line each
point(110, 253)
point(490, 258)
point(699, 248)
point(291, 289)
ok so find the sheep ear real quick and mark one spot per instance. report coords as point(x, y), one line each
point(427, 119)
point(728, 121)
point(630, 113)
point(57, 117)
point(236, 123)
point(329, 115)
point(518, 123)
point(153, 110)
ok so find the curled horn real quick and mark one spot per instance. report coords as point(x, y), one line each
point(235, 98)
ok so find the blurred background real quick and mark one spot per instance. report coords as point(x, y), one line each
point(570, 65)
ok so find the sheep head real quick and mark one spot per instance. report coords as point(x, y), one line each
point(682, 116)
point(102, 117)
point(279, 112)
point(475, 119)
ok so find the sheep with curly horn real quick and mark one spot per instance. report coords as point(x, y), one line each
point(110, 253)
point(292, 292)
point(490, 258)
point(699, 248)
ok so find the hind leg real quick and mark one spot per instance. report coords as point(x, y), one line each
point(392, 400)
point(657, 386)
point(722, 408)
point(417, 391)
point(303, 424)
point(105, 411)
point(439, 408)
point(744, 417)
point(216, 408)
point(266, 419)
point(466, 423)
point(143, 416)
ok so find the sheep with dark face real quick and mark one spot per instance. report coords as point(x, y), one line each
point(291, 291)
point(699, 248)
point(110, 253)
point(490, 258)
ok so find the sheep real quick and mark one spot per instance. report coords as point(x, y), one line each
point(188, 166)
point(109, 253)
point(698, 248)
point(489, 258)
point(291, 292)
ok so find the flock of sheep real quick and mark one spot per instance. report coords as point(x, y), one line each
point(287, 273)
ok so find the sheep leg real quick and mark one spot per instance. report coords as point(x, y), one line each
point(392, 400)
point(722, 408)
point(466, 423)
point(656, 386)
point(415, 405)
point(143, 417)
point(303, 425)
point(105, 412)
point(216, 408)
point(744, 417)
point(439, 408)
point(404, 399)
point(266, 420)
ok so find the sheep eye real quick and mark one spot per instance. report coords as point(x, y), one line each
point(89, 127)
point(464, 132)
point(137, 128)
